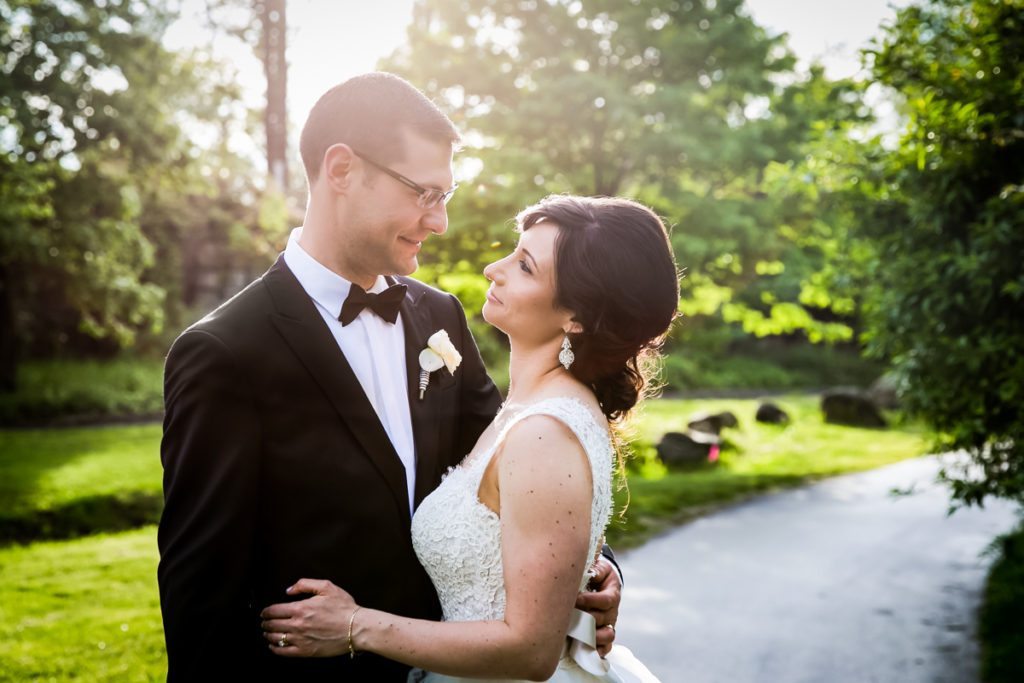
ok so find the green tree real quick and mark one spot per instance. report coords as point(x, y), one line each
point(689, 106)
point(109, 207)
point(948, 228)
point(82, 110)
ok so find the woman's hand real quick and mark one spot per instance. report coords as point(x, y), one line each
point(314, 627)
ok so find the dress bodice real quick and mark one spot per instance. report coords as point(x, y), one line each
point(458, 539)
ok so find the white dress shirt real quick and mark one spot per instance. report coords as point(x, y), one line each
point(373, 347)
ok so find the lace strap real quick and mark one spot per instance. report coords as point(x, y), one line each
point(574, 414)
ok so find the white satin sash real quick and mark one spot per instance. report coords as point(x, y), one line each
point(583, 647)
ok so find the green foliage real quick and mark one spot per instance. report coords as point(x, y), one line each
point(1000, 628)
point(83, 109)
point(84, 390)
point(764, 365)
point(681, 105)
point(949, 308)
point(110, 211)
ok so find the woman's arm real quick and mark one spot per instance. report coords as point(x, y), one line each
point(546, 492)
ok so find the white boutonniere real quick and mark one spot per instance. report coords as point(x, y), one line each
point(440, 352)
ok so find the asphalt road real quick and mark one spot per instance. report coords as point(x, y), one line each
point(839, 582)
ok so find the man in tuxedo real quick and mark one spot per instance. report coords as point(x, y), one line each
point(296, 442)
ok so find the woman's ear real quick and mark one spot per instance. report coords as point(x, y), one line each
point(574, 328)
point(337, 167)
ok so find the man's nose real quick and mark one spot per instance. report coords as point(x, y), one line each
point(436, 219)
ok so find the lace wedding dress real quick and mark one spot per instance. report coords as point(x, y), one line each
point(458, 541)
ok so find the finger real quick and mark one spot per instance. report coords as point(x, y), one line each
point(605, 576)
point(601, 570)
point(605, 636)
point(314, 586)
point(276, 626)
point(282, 610)
point(290, 649)
point(606, 617)
point(275, 640)
point(590, 601)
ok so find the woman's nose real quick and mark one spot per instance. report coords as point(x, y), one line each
point(493, 271)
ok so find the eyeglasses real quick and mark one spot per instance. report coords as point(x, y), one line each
point(427, 197)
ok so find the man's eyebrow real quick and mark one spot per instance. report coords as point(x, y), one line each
point(530, 256)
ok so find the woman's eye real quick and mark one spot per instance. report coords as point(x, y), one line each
point(523, 266)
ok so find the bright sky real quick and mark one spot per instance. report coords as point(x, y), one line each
point(331, 40)
point(831, 31)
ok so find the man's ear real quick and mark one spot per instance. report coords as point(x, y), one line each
point(337, 167)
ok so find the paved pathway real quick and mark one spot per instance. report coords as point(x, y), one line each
point(839, 582)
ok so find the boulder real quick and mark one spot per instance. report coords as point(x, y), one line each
point(770, 413)
point(883, 392)
point(712, 423)
point(688, 450)
point(848, 406)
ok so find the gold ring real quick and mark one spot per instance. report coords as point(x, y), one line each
point(283, 642)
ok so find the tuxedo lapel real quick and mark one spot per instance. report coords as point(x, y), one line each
point(302, 327)
point(424, 414)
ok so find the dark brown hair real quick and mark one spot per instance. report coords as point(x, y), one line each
point(367, 112)
point(614, 268)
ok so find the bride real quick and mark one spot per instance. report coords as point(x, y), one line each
point(509, 536)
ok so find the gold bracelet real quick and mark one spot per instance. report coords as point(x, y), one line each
point(352, 620)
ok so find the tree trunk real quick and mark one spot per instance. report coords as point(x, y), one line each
point(272, 16)
point(8, 338)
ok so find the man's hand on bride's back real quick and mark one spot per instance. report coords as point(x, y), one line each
point(603, 603)
point(314, 627)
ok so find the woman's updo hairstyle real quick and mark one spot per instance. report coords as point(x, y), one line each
point(615, 270)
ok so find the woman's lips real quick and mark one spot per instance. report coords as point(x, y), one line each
point(493, 299)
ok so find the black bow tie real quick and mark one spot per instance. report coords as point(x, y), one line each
point(385, 304)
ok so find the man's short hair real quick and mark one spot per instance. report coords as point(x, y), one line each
point(366, 113)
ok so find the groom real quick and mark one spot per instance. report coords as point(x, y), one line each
point(296, 440)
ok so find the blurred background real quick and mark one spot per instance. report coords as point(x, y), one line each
point(844, 183)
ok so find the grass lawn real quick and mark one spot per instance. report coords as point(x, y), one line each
point(756, 458)
point(48, 468)
point(84, 610)
point(88, 608)
point(67, 482)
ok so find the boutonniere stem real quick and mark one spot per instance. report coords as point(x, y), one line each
point(440, 352)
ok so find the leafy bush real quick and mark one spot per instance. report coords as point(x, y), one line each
point(1001, 628)
point(83, 390)
point(766, 364)
point(947, 226)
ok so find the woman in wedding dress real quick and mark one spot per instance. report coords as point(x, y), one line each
point(510, 534)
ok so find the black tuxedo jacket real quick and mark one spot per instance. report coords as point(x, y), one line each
point(276, 467)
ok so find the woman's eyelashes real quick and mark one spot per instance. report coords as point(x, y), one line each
point(523, 266)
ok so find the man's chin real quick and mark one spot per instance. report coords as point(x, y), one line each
point(406, 267)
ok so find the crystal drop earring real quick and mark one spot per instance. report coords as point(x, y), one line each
point(566, 356)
